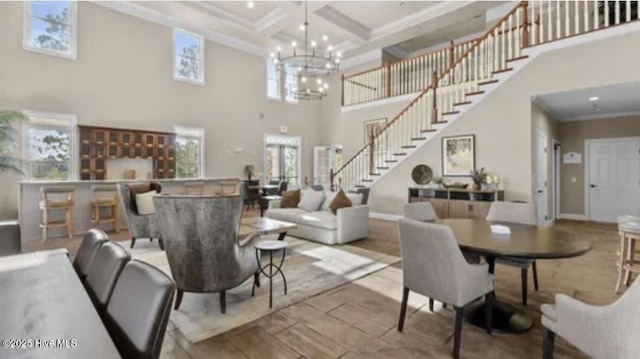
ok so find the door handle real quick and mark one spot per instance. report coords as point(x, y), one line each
point(540, 191)
point(594, 186)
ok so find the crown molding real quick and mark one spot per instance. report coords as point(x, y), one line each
point(145, 13)
point(372, 55)
point(600, 116)
point(545, 108)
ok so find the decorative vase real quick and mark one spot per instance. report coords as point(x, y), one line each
point(477, 186)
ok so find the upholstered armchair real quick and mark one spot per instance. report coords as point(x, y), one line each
point(10, 238)
point(201, 237)
point(419, 211)
point(520, 213)
point(140, 225)
point(609, 331)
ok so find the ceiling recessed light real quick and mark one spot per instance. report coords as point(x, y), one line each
point(594, 98)
point(250, 4)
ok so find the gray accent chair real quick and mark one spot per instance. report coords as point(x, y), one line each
point(419, 211)
point(103, 272)
point(10, 243)
point(202, 246)
point(88, 248)
point(139, 309)
point(140, 226)
point(520, 213)
point(609, 331)
point(433, 265)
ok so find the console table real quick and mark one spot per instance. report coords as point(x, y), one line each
point(457, 202)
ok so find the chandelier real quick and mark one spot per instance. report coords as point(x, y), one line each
point(308, 64)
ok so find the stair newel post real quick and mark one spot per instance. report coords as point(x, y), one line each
point(452, 53)
point(331, 175)
point(342, 97)
point(434, 112)
point(372, 139)
point(525, 24)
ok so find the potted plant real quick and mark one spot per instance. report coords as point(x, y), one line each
point(438, 180)
point(8, 143)
point(249, 171)
point(478, 177)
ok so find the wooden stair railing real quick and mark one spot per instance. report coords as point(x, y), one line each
point(487, 56)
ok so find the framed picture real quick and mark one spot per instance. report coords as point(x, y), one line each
point(458, 155)
point(375, 127)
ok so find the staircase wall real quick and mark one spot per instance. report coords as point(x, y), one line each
point(502, 121)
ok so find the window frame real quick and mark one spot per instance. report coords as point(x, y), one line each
point(291, 100)
point(178, 129)
point(73, 138)
point(201, 73)
point(278, 80)
point(73, 41)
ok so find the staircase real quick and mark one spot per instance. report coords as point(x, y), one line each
point(484, 64)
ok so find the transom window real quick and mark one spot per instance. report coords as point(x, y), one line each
point(291, 86)
point(188, 59)
point(51, 27)
point(189, 152)
point(49, 146)
point(273, 81)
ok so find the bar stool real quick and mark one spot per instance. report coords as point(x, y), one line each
point(56, 198)
point(194, 188)
point(228, 187)
point(104, 196)
point(629, 231)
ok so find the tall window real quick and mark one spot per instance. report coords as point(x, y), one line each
point(49, 146)
point(188, 57)
point(273, 81)
point(51, 27)
point(291, 86)
point(282, 159)
point(189, 152)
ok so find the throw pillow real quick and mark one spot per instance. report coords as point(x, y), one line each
point(340, 201)
point(311, 200)
point(290, 199)
point(327, 201)
point(144, 202)
point(355, 198)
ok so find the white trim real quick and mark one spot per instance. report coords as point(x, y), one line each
point(385, 216)
point(382, 102)
point(203, 145)
point(73, 141)
point(73, 41)
point(372, 55)
point(599, 116)
point(573, 217)
point(201, 70)
point(549, 223)
point(278, 79)
point(298, 144)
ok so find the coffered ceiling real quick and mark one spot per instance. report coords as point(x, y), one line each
point(353, 27)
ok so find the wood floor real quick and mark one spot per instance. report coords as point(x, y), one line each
point(355, 321)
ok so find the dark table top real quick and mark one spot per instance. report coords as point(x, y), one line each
point(524, 241)
point(43, 298)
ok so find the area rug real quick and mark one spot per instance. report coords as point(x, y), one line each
point(310, 268)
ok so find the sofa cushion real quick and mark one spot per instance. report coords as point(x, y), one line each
point(285, 214)
point(355, 198)
point(144, 202)
point(318, 219)
point(141, 187)
point(311, 200)
point(290, 199)
point(340, 201)
point(329, 196)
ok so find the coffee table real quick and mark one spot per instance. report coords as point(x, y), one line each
point(264, 226)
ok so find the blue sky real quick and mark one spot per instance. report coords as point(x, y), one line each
point(184, 40)
point(40, 9)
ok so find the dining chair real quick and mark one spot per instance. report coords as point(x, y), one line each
point(433, 265)
point(103, 272)
point(138, 312)
point(609, 331)
point(10, 243)
point(88, 247)
point(56, 199)
point(104, 197)
point(520, 213)
point(419, 211)
point(193, 188)
point(628, 261)
point(251, 193)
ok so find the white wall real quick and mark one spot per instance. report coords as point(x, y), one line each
point(123, 78)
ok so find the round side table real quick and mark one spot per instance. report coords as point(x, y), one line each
point(271, 247)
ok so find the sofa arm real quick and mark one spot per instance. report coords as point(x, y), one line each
point(274, 204)
point(353, 223)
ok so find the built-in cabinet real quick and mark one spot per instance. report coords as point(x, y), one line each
point(99, 144)
point(457, 203)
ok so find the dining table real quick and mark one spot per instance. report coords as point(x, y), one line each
point(522, 241)
point(45, 311)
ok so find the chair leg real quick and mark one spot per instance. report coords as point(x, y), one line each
point(457, 332)
point(403, 308)
point(179, 294)
point(444, 305)
point(523, 275)
point(534, 267)
point(256, 279)
point(622, 262)
point(488, 311)
point(548, 339)
point(223, 302)
point(430, 305)
point(133, 241)
point(161, 244)
point(70, 223)
point(45, 224)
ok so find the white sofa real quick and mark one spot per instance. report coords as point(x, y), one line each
point(348, 225)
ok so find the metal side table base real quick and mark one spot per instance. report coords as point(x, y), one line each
point(273, 269)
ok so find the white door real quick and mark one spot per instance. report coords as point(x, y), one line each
point(325, 159)
point(613, 179)
point(541, 179)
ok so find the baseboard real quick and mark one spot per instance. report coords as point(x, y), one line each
point(385, 216)
point(549, 223)
point(574, 217)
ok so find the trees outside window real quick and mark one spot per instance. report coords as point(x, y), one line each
point(49, 149)
point(188, 64)
point(189, 152)
point(51, 27)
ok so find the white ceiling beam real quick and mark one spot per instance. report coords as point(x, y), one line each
point(352, 28)
point(221, 15)
point(294, 16)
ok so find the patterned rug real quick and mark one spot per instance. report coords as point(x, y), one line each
point(310, 268)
